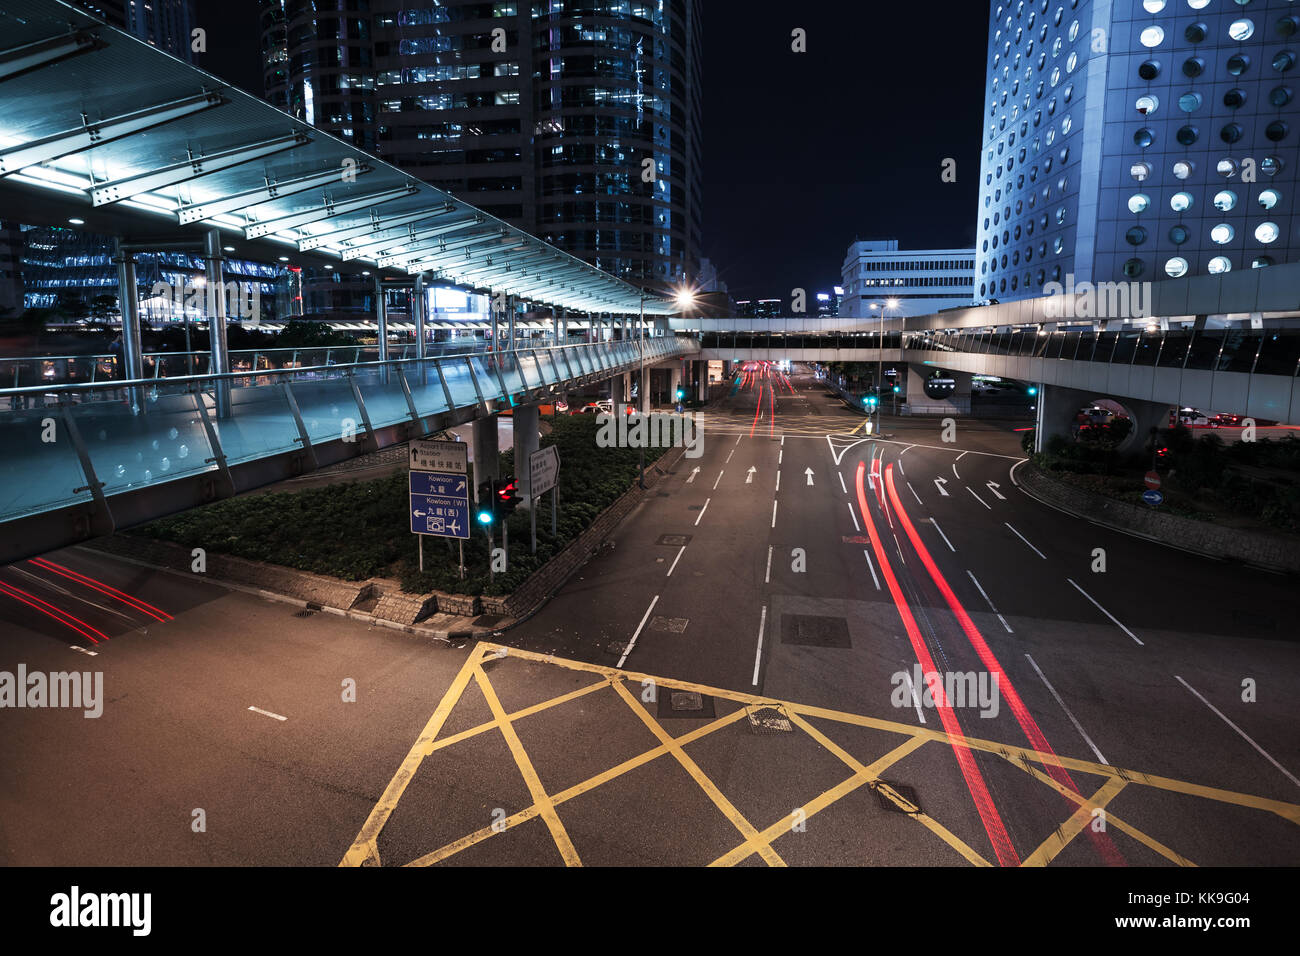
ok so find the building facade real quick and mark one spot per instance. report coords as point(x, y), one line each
point(166, 24)
point(578, 121)
point(1136, 140)
point(923, 281)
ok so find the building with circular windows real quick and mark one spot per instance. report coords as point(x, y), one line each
point(1163, 134)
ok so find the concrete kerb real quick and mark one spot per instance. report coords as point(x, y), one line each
point(1254, 549)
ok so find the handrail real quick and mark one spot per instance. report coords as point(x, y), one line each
point(183, 380)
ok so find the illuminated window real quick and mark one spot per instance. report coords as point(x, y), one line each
point(1138, 203)
point(1267, 232)
point(1225, 200)
point(1176, 267)
point(1219, 264)
point(1180, 202)
point(1222, 234)
point(1151, 36)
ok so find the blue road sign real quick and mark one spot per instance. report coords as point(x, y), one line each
point(1153, 497)
point(439, 504)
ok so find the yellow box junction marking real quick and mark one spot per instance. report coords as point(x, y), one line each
point(364, 850)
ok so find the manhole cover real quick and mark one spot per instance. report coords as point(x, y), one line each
point(681, 703)
point(488, 620)
point(815, 630)
point(674, 625)
point(674, 540)
point(911, 804)
point(305, 612)
point(765, 721)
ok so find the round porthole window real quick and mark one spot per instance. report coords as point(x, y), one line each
point(1190, 102)
point(1222, 234)
point(1149, 70)
point(1134, 268)
point(1193, 66)
point(1239, 63)
point(1147, 104)
point(1180, 202)
point(1227, 168)
point(1280, 95)
point(1230, 133)
point(1270, 165)
point(1269, 198)
point(1240, 30)
point(1136, 236)
point(1140, 171)
point(1152, 36)
point(1138, 203)
point(1187, 135)
point(1144, 137)
point(1182, 169)
point(1276, 131)
point(1176, 267)
point(1178, 235)
point(1234, 99)
point(1261, 262)
point(1267, 232)
point(1225, 200)
point(1219, 265)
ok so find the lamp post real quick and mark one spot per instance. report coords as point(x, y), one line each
point(893, 304)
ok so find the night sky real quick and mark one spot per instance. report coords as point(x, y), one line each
point(803, 153)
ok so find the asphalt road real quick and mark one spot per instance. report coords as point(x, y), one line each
point(746, 579)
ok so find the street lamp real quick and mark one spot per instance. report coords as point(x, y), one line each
point(893, 304)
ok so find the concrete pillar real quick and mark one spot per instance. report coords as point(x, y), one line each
point(674, 381)
point(216, 303)
point(526, 442)
point(700, 370)
point(559, 325)
point(485, 449)
point(618, 388)
point(1058, 408)
point(957, 403)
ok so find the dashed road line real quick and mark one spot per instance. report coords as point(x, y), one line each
point(767, 577)
point(1025, 540)
point(719, 478)
point(1244, 736)
point(854, 515)
point(1077, 726)
point(978, 498)
point(1106, 612)
point(942, 535)
point(702, 510)
point(843, 486)
point(266, 713)
point(989, 601)
point(773, 514)
point(915, 495)
point(758, 655)
point(675, 560)
point(872, 567)
point(632, 643)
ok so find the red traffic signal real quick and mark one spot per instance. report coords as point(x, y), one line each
point(505, 492)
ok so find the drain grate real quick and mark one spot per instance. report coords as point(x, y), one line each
point(887, 791)
point(815, 630)
point(684, 703)
point(766, 721)
point(305, 612)
point(673, 625)
point(674, 540)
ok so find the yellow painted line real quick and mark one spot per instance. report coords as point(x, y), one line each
point(873, 773)
point(464, 843)
point(1082, 817)
point(364, 849)
point(518, 715)
point(540, 798)
point(747, 829)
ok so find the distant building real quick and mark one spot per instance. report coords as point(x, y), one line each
point(166, 24)
point(760, 308)
point(923, 281)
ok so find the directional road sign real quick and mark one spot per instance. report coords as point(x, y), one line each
point(439, 504)
point(544, 470)
point(1153, 497)
point(427, 454)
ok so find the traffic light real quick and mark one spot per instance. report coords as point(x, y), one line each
point(897, 389)
point(681, 393)
point(1033, 390)
point(871, 400)
point(486, 512)
point(505, 496)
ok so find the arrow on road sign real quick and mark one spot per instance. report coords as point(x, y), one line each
point(694, 471)
point(750, 479)
point(993, 487)
point(939, 483)
point(809, 473)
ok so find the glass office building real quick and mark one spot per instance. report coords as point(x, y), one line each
point(578, 121)
point(1137, 140)
point(922, 281)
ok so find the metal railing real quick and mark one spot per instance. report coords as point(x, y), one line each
point(73, 444)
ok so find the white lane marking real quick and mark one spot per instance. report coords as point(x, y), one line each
point(1077, 726)
point(266, 713)
point(871, 565)
point(942, 535)
point(729, 454)
point(914, 494)
point(82, 650)
point(758, 655)
point(920, 715)
point(782, 441)
point(778, 480)
point(990, 603)
point(1025, 540)
point(738, 437)
point(675, 560)
point(1106, 612)
point(843, 486)
point(854, 515)
point(905, 450)
point(954, 470)
point(993, 486)
point(962, 455)
point(1244, 736)
point(978, 498)
point(767, 578)
point(720, 474)
point(702, 510)
point(632, 643)
point(780, 456)
point(773, 514)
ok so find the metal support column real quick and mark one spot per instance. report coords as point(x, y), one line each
point(417, 315)
point(216, 307)
point(381, 318)
point(128, 299)
point(511, 306)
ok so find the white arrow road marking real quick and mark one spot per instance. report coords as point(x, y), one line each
point(990, 603)
point(809, 473)
point(1025, 540)
point(266, 713)
point(1077, 726)
point(939, 483)
point(993, 487)
point(979, 499)
point(82, 650)
point(749, 480)
point(1106, 612)
point(1261, 750)
point(694, 471)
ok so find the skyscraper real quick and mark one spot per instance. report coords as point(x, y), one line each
point(165, 24)
point(1137, 140)
point(579, 122)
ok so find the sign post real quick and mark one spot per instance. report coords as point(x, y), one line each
point(543, 476)
point(438, 485)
